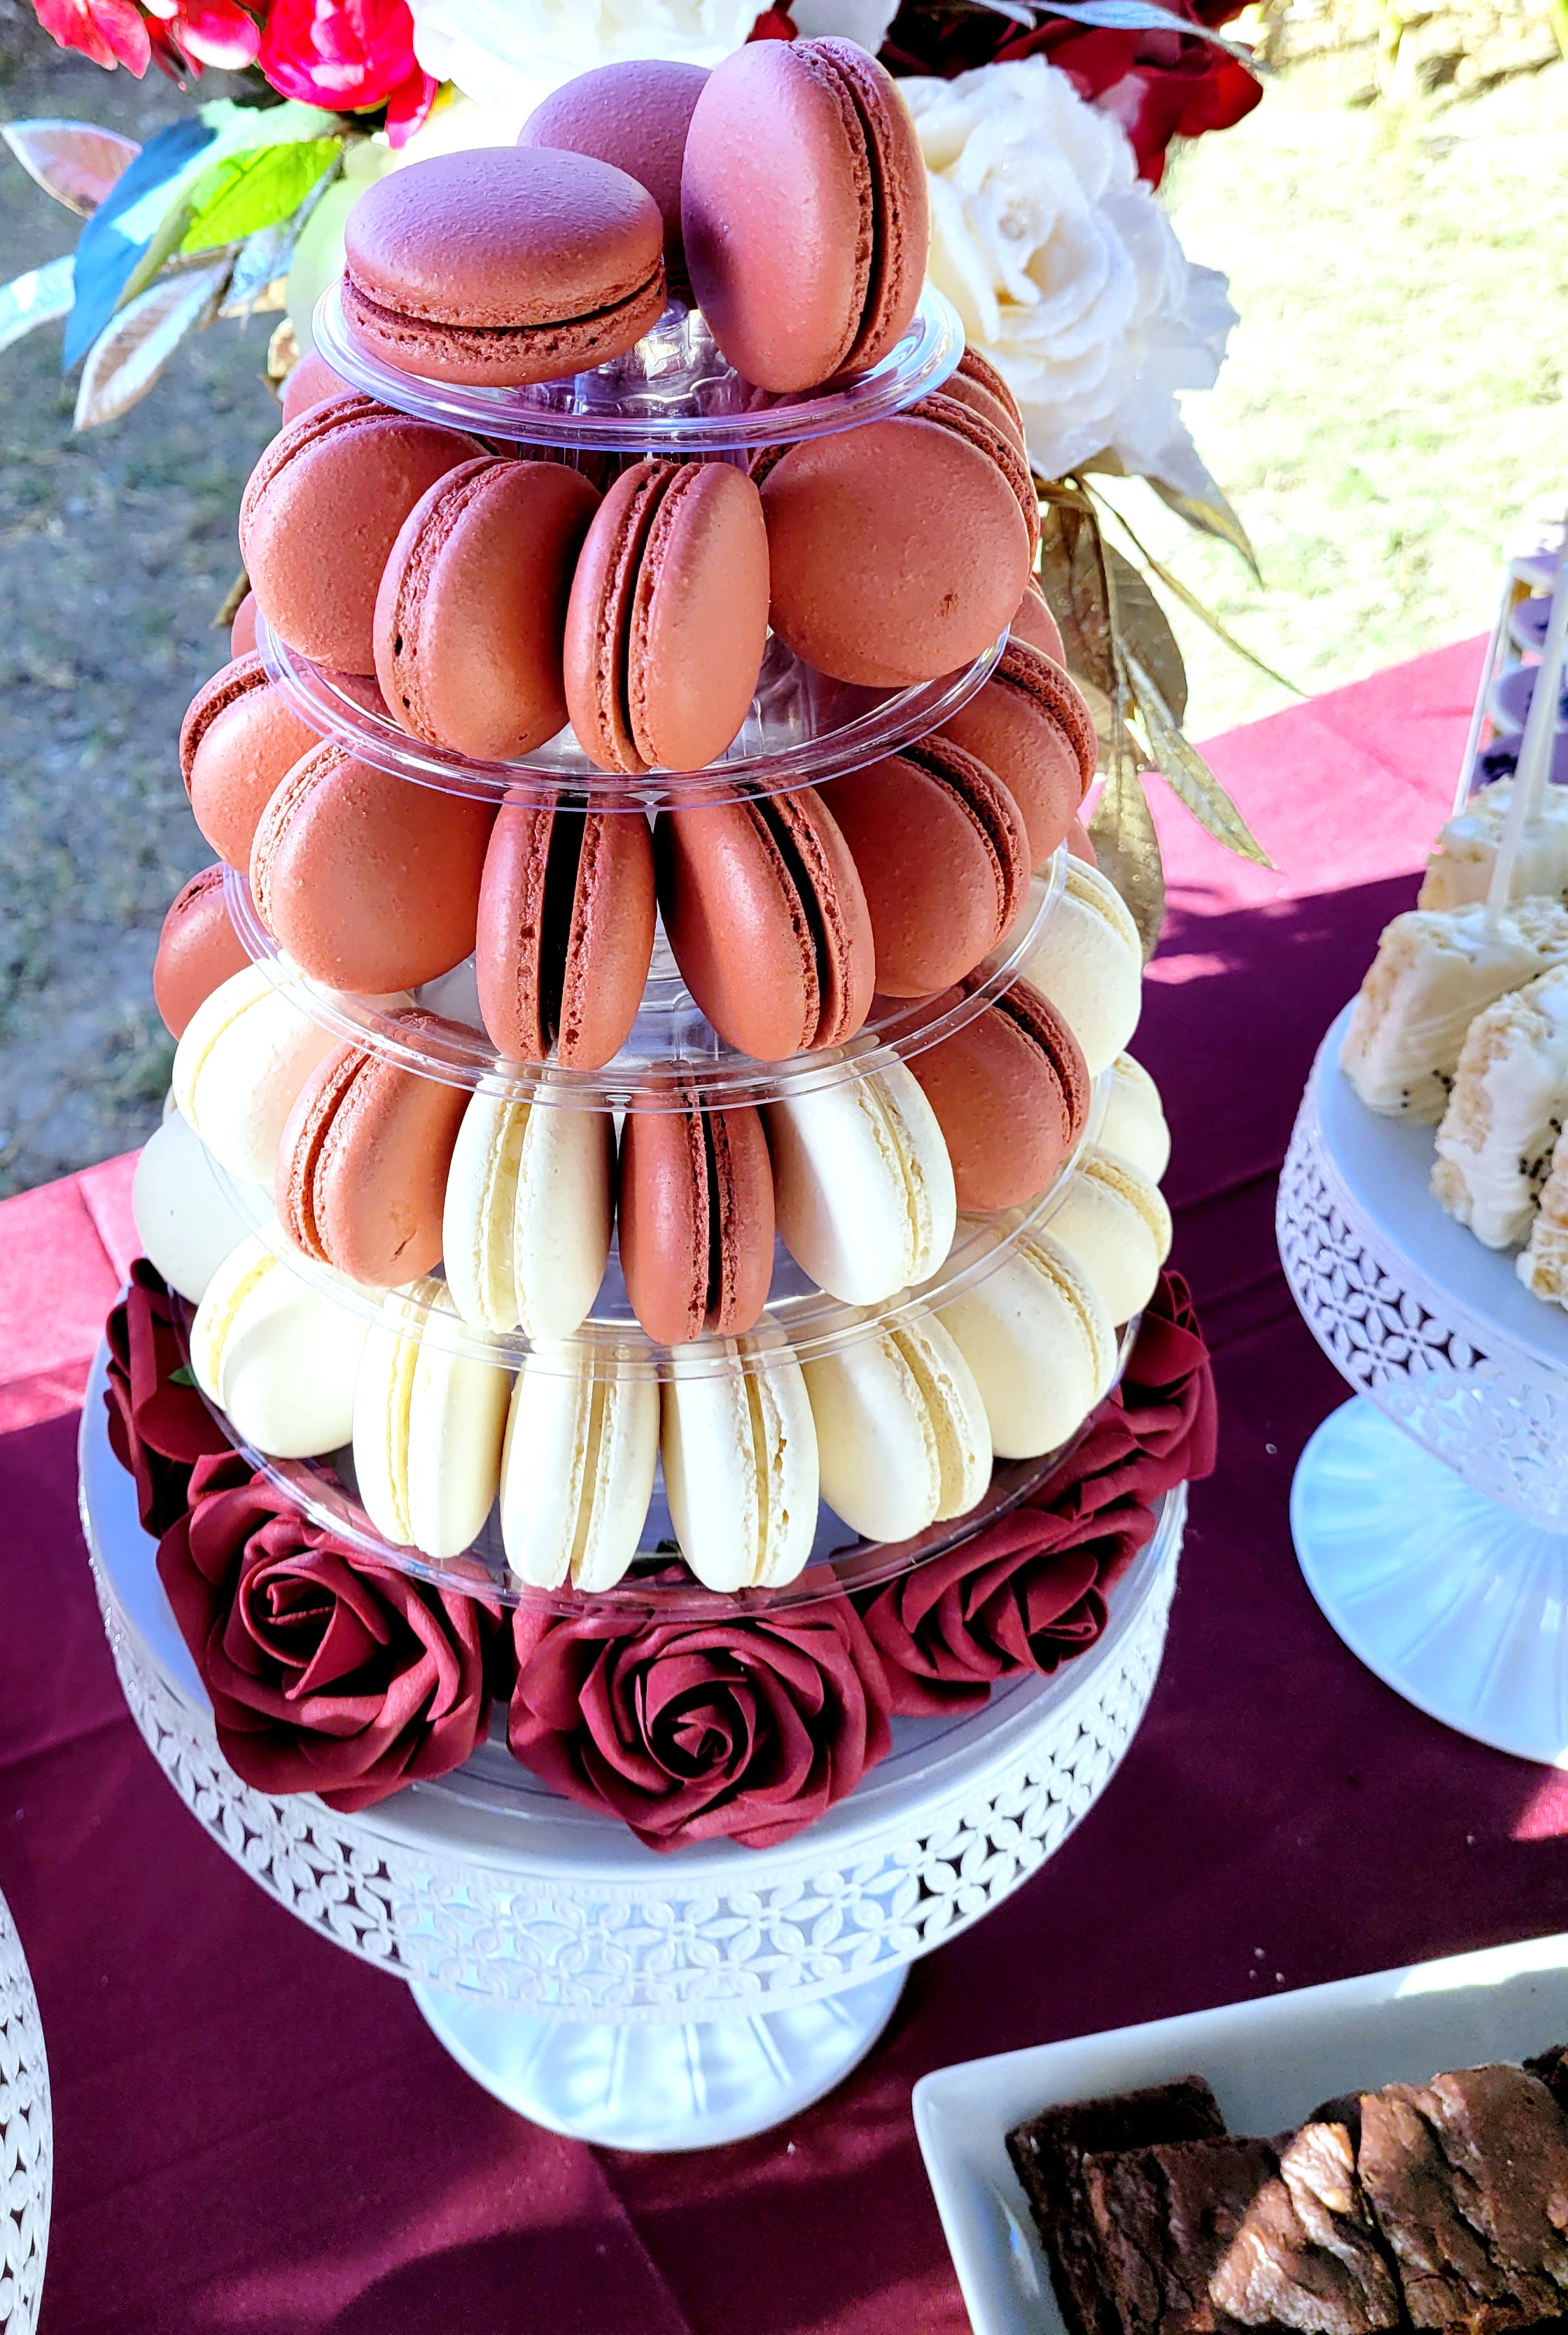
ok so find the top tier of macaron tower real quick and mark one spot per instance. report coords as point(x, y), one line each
point(651, 1096)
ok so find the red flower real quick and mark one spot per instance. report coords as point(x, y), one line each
point(110, 32)
point(203, 33)
point(159, 1426)
point(350, 56)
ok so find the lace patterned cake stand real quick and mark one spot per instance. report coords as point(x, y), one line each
point(647, 2002)
point(1430, 1516)
point(26, 2139)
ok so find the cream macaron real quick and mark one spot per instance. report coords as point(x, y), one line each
point(1133, 1124)
point(427, 1424)
point(1114, 1220)
point(901, 1435)
point(185, 1220)
point(277, 1354)
point(246, 1053)
point(741, 1472)
point(577, 1473)
point(1040, 1339)
point(1089, 963)
point(862, 1190)
point(526, 1227)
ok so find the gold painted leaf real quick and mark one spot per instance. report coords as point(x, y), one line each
point(1185, 772)
point(1211, 514)
point(1144, 628)
point(1073, 582)
point(1122, 832)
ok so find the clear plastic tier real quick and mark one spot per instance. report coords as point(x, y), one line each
point(674, 393)
point(803, 730)
point(672, 1047)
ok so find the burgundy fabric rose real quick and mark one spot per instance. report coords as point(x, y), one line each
point(328, 1671)
point(350, 56)
point(1165, 1410)
point(159, 1426)
point(749, 1728)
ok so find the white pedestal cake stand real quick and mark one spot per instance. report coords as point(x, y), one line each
point(648, 2001)
point(1430, 1516)
point(26, 2139)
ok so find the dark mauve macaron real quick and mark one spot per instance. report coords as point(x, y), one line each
point(361, 1168)
point(1031, 725)
point(634, 115)
point(997, 442)
point(471, 610)
point(311, 382)
point(943, 853)
point(1034, 621)
point(503, 265)
point(804, 208)
point(899, 551)
point(321, 513)
point(240, 739)
point(668, 619)
point(977, 375)
point(767, 918)
point(1011, 1093)
point(368, 882)
point(565, 931)
point(197, 950)
point(695, 1219)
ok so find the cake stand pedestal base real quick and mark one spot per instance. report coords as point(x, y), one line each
point(1456, 1601)
point(662, 2087)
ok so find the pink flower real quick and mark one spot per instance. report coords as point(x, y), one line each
point(349, 56)
point(110, 32)
point(208, 32)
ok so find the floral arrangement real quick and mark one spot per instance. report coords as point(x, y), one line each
point(331, 1671)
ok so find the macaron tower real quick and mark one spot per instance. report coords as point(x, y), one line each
point(653, 1114)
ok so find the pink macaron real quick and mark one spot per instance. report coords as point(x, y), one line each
point(634, 115)
point(695, 1219)
point(242, 632)
point(311, 382)
point(1011, 1093)
point(240, 739)
point(472, 609)
point(197, 950)
point(1032, 622)
point(804, 208)
point(1031, 726)
point(565, 931)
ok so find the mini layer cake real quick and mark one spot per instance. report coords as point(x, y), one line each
point(1506, 1112)
point(1460, 867)
point(1434, 971)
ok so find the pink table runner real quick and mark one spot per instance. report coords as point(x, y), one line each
point(256, 2132)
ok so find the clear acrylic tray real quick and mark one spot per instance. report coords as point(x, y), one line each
point(673, 1046)
point(803, 730)
point(674, 393)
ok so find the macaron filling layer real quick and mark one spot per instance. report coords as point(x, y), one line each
point(962, 775)
point(809, 882)
point(887, 265)
point(409, 322)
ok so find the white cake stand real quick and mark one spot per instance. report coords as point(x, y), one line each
point(640, 2000)
point(1430, 1516)
point(26, 2139)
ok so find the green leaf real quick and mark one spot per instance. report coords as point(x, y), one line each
point(1142, 623)
point(1211, 514)
point(1185, 772)
point(247, 192)
point(181, 1376)
point(167, 240)
point(1122, 832)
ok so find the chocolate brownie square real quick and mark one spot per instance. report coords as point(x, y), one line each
point(1162, 2218)
point(1048, 2155)
point(1306, 2255)
point(1467, 2176)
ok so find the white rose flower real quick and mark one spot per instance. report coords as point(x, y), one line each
point(507, 54)
point(1067, 272)
point(864, 20)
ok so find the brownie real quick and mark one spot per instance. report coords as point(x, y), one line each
point(1306, 2255)
point(1162, 2218)
point(1467, 2176)
point(1552, 2067)
point(1048, 2155)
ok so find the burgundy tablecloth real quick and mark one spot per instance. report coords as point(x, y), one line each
point(254, 2131)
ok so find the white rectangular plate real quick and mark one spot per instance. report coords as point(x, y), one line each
point(1270, 2062)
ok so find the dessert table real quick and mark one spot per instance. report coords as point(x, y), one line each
point(254, 2130)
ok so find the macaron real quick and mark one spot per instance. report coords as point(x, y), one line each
point(1134, 1123)
point(526, 1221)
point(501, 265)
point(993, 436)
point(427, 1425)
point(362, 1167)
point(1034, 621)
point(186, 1221)
point(1088, 961)
point(1114, 1220)
point(634, 115)
point(278, 1356)
point(321, 512)
point(241, 1062)
point(766, 915)
point(197, 950)
point(242, 632)
point(310, 382)
point(741, 1473)
point(943, 852)
point(978, 383)
point(1040, 1340)
point(668, 618)
point(240, 737)
point(695, 1219)
point(472, 606)
point(1078, 844)
point(863, 1186)
point(903, 1440)
point(1031, 725)
point(804, 208)
point(367, 881)
point(897, 552)
point(1011, 1094)
point(564, 932)
point(577, 1473)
